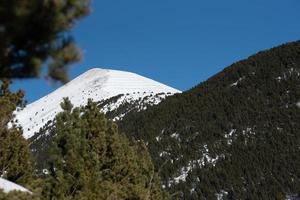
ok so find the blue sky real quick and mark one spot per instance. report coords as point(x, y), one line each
point(177, 42)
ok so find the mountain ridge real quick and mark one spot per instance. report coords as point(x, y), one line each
point(234, 136)
point(97, 84)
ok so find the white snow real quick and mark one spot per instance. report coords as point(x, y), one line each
point(46, 171)
point(184, 172)
point(183, 176)
point(97, 84)
point(164, 153)
point(175, 135)
point(279, 78)
point(221, 195)
point(8, 186)
point(207, 158)
point(292, 197)
point(236, 83)
point(229, 136)
point(289, 73)
point(157, 138)
point(145, 99)
point(248, 131)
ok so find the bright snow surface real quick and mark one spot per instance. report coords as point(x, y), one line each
point(8, 186)
point(97, 84)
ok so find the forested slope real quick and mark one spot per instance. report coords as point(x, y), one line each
point(234, 136)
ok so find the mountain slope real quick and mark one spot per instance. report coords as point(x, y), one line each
point(234, 136)
point(116, 92)
point(101, 85)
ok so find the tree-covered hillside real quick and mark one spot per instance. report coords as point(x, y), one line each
point(234, 136)
point(115, 108)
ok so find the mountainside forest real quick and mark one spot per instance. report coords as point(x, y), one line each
point(234, 136)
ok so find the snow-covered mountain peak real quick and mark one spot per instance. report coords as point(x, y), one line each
point(97, 84)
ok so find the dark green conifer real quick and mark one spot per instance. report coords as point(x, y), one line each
point(15, 158)
point(91, 160)
point(36, 32)
point(16, 195)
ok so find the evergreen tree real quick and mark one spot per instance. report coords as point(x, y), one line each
point(36, 32)
point(91, 160)
point(15, 157)
point(246, 117)
point(14, 195)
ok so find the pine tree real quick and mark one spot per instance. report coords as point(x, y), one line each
point(36, 32)
point(91, 160)
point(15, 158)
point(16, 195)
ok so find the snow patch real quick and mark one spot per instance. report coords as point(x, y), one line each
point(46, 171)
point(221, 195)
point(279, 78)
point(175, 135)
point(236, 83)
point(289, 73)
point(248, 132)
point(229, 136)
point(164, 153)
point(8, 186)
point(184, 172)
point(207, 158)
point(157, 138)
point(292, 197)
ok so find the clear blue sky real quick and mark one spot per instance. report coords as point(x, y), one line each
point(177, 42)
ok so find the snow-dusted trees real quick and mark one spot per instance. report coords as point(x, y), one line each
point(92, 160)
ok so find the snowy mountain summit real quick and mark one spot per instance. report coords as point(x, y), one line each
point(111, 88)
